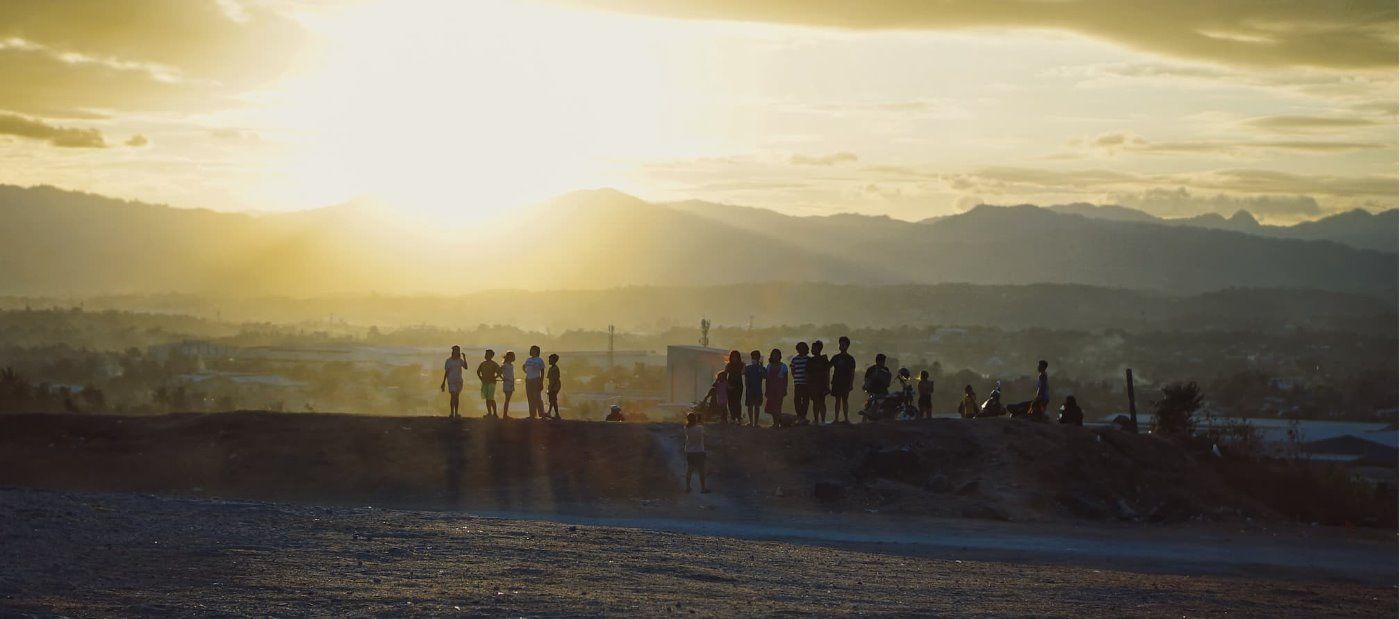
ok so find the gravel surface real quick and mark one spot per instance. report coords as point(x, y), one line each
point(94, 554)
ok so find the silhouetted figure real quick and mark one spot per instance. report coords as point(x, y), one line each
point(507, 382)
point(925, 395)
point(489, 372)
point(843, 379)
point(695, 451)
point(1070, 413)
point(775, 386)
point(719, 396)
point(968, 406)
point(452, 379)
point(818, 381)
point(615, 414)
point(554, 385)
point(878, 377)
point(798, 366)
point(754, 376)
point(1041, 401)
point(534, 383)
point(734, 377)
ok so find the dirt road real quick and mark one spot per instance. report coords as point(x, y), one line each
point(124, 554)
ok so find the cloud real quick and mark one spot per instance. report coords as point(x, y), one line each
point(1375, 87)
point(137, 141)
point(1180, 202)
point(64, 137)
point(1298, 124)
point(236, 135)
point(1115, 143)
point(77, 58)
point(1353, 34)
point(1270, 181)
point(831, 159)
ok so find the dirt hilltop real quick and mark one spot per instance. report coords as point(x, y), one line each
point(999, 469)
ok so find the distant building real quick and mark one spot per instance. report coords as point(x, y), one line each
point(190, 348)
point(690, 370)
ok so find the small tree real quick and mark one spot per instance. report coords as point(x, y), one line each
point(1175, 412)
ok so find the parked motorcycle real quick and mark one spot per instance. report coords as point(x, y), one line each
point(899, 404)
point(993, 407)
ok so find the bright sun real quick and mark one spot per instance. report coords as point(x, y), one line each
point(473, 107)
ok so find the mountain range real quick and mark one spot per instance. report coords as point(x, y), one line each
point(61, 242)
point(1357, 228)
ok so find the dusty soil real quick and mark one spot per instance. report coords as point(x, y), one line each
point(996, 469)
point(90, 554)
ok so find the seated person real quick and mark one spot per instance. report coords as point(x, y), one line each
point(615, 414)
point(1070, 413)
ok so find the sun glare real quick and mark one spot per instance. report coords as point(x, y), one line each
point(470, 108)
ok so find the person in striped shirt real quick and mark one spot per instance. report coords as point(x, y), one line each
point(800, 396)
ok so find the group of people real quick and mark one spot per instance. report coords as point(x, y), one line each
point(757, 386)
point(814, 376)
point(741, 392)
point(541, 382)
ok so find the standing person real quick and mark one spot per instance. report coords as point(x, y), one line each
point(734, 375)
point(798, 365)
point(507, 382)
point(695, 451)
point(754, 375)
point(534, 383)
point(1042, 392)
point(489, 372)
point(719, 395)
point(968, 406)
point(452, 379)
point(554, 385)
point(843, 379)
point(818, 381)
point(775, 385)
point(925, 395)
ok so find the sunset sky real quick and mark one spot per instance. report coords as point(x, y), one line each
point(906, 108)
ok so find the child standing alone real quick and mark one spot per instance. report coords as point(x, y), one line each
point(695, 451)
point(553, 386)
point(925, 395)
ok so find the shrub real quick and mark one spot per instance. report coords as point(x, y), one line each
point(1174, 412)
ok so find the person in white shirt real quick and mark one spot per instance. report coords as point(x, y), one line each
point(695, 451)
point(507, 381)
point(452, 378)
point(534, 383)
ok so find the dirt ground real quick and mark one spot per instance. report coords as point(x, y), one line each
point(83, 554)
point(994, 469)
point(319, 514)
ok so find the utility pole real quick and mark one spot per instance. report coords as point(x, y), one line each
point(705, 332)
point(611, 334)
point(1132, 401)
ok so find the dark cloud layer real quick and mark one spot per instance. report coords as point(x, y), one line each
point(1324, 33)
point(65, 137)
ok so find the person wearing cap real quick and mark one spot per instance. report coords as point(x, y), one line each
point(534, 383)
point(452, 379)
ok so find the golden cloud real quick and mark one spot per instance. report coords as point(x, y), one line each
point(1243, 32)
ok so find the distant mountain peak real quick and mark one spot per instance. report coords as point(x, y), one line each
point(1244, 217)
point(601, 195)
